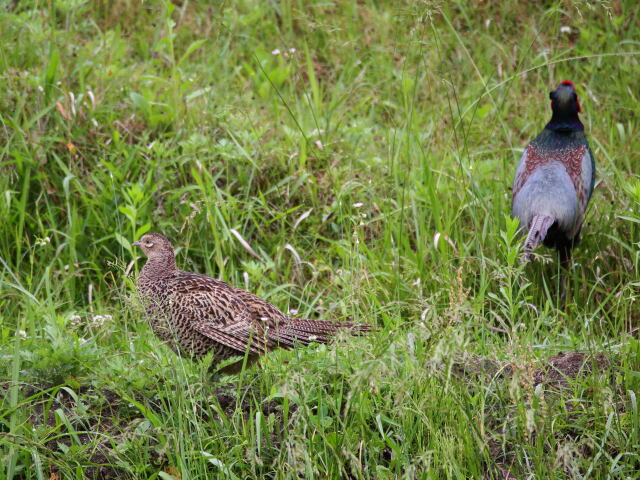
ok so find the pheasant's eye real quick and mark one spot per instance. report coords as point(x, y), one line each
point(148, 244)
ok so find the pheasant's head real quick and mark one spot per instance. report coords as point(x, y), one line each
point(155, 246)
point(565, 107)
point(564, 99)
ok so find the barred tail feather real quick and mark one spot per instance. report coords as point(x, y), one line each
point(302, 330)
point(538, 229)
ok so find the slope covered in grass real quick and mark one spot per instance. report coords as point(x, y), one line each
point(364, 151)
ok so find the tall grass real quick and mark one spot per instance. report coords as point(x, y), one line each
point(365, 152)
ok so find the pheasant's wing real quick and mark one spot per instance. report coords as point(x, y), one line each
point(521, 175)
point(262, 311)
point(588, 172)
point(215, 311)
point(246, 340)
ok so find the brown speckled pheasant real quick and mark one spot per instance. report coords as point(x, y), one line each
point(197, 314)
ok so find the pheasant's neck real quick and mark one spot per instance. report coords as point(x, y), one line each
point(159, 268)
point(565, 122)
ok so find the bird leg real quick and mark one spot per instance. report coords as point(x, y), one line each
point(564, 252)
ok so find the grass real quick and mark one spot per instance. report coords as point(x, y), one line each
point(365, 152)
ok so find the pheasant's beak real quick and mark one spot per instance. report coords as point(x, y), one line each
point(137, 244)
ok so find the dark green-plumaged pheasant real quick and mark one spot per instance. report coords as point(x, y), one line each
point(196, 314)
point(555, 179)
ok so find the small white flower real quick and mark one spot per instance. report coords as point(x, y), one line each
point(40, 89)
point(41, 242)
point(357, 205)
point(292, 50)
point(319, 144)
point(275, 51)
point(293, 311)
point(99, 320)
point(565, 29)
point(22, 334)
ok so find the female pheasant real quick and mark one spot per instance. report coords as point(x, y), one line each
point(197, 314)
point(555, 179)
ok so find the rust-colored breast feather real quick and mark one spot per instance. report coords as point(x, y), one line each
point(571, 158)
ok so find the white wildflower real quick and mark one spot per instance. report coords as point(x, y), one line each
point(293, 311)
point(22, 334)
point(565, 29)
point(357, 205)
point(99, 320)
point(41, 242)
point(275, 51)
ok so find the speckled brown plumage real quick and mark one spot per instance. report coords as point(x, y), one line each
point(196, 314)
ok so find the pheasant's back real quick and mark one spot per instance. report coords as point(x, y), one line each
point(555, 178)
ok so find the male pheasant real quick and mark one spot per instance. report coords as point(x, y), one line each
point(197, 314)
point(555, 179)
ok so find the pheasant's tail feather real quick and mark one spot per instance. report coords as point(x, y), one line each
point(538, 229)
point(305, 331)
